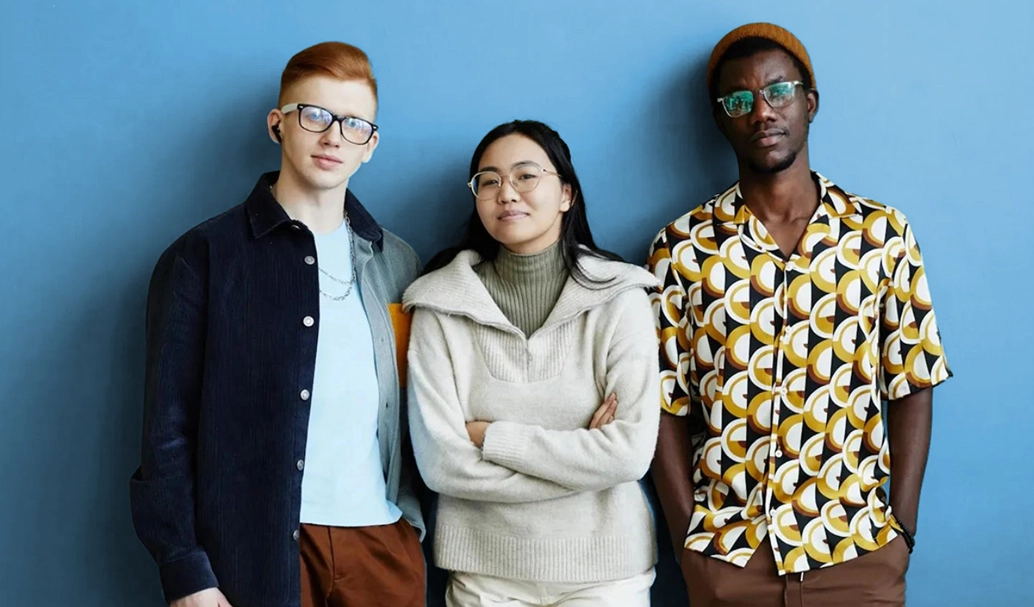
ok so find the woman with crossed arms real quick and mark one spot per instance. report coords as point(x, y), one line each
point(533, 388)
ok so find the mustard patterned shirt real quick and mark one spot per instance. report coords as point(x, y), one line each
point(783, 364)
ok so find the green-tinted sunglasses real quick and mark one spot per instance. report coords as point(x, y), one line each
point(740, 103)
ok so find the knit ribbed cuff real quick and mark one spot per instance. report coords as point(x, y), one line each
point(506, 442)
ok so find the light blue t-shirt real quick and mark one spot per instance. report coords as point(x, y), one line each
point(343, 483)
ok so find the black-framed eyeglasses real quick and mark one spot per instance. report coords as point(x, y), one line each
point(741, 103)
point(524, 178)
point(315, 119)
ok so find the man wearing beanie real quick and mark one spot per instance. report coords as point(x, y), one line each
point(792, 314)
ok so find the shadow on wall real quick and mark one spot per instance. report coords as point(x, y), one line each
point(125, 571)
point(430, 208)
point(691, 160)
point(79, 444)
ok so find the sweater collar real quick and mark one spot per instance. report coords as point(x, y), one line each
point(457, 290)
point(515, 268)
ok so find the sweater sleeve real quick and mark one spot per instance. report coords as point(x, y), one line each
point(448, 461)
point(620, 452)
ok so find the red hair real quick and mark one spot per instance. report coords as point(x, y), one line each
point(334, 59)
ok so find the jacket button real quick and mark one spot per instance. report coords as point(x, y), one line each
point(304, 395)
point(308, 321)
point(301, 464)
point(295, 535)
point(309, 260)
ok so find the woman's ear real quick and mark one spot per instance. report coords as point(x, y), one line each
point(567, 200)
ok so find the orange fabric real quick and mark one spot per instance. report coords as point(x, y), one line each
point(768, 31)
point(401, 320)
point(378, 566)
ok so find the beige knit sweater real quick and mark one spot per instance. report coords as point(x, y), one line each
point(546, 499)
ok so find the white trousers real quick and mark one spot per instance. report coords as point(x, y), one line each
point(472, 590)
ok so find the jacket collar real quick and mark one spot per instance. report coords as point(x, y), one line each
point(265, 214)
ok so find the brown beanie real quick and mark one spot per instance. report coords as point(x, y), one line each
point(768, 31)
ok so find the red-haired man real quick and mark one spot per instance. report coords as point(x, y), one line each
point(272, 470)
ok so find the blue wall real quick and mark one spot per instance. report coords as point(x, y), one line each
point(126, 123)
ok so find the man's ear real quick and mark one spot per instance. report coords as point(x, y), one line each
point(273, 121)
point(813, 104)
point(371, 147)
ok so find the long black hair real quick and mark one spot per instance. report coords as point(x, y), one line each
point(576, 238)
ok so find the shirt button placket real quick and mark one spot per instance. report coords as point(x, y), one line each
point(778, 393)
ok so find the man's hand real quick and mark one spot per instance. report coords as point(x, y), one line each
point(210, 597)
point(605, 414)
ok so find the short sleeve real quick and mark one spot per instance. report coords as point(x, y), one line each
point(668, 301)
point(912, 355)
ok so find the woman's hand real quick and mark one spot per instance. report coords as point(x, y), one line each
point(605, 414)
point(476, 432)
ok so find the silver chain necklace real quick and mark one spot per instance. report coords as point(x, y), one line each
point(351, 283)
point(351, 245)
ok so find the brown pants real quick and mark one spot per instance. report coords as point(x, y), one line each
point(362, 566)
point(875, 579)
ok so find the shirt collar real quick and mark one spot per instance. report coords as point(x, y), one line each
point(833, 203)
point(266, 214)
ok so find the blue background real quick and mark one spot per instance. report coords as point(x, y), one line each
point(126, 123)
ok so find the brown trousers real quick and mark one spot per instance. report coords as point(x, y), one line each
point(362, 566)
point(876, 579)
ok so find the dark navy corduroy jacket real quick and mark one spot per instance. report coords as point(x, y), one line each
point(232, 321)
